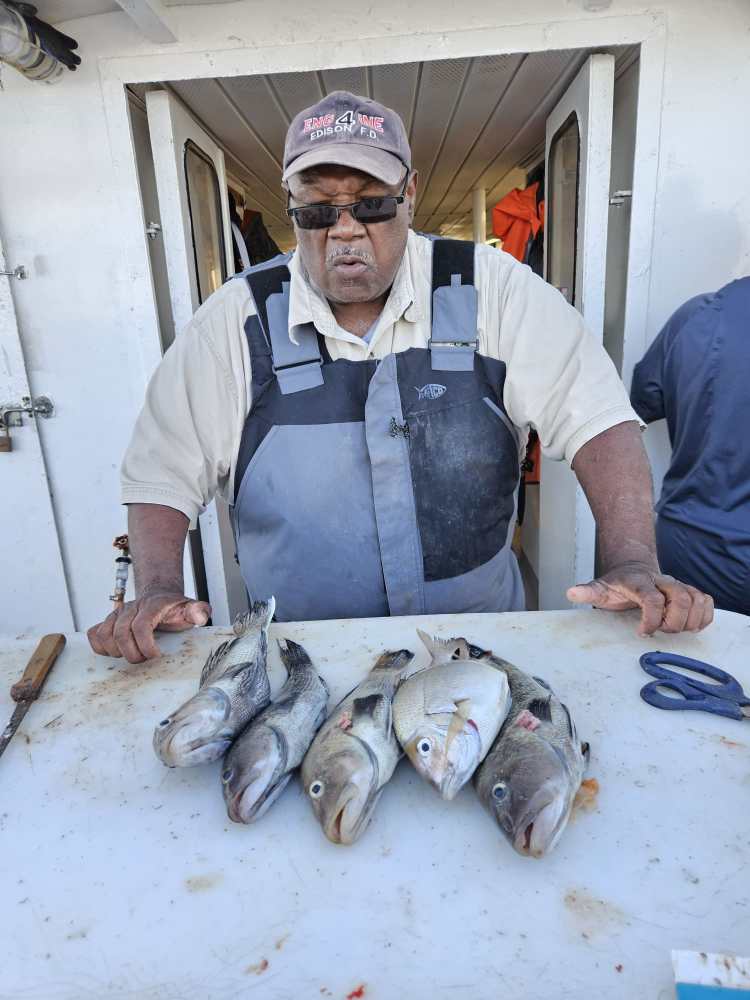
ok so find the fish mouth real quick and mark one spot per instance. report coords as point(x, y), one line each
point(175, 753)
point(247, 805)
point(261, 784)
point(348, 821)
point(542, 824)
point(461, 761)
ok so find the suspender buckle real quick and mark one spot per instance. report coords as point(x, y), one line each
point(295, 378)
point(473, 344)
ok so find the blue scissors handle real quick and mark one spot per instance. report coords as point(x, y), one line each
point(725, 697)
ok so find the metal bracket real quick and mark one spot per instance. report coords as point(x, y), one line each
point(620, 197)
point(11, 414)
point(19, 272)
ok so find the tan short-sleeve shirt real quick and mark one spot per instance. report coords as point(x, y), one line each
point(559, 381)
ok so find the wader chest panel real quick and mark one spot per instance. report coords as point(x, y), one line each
point(368, 488)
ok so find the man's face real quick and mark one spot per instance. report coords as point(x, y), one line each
point(351, 262)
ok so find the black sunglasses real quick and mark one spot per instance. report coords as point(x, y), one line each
point(381, 208)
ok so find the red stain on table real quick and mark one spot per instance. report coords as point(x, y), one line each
point(357, 993)
point(586, 796)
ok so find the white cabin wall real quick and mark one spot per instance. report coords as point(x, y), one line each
point(87, 315)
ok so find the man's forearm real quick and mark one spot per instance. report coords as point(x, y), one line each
point(157, 543)
point(614, 472)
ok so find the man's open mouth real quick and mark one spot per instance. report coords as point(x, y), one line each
point(350, 265)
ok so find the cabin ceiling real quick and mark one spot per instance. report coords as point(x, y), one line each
point(57, 11)
point(471, 123)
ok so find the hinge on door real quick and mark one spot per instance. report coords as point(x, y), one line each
point(153, 229)
point(620, 197)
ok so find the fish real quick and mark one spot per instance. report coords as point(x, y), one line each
point(233, 688)
point(530, 777)
point(355, 752)
point(262, 759)
point(447, 715)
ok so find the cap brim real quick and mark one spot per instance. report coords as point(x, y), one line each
point(377, 163)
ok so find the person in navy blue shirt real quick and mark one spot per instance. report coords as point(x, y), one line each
point(696, 374)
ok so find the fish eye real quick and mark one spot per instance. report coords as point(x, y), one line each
point(227, 775)
point(499, 791)
point(424, 746)
point(164, 722)
point(316, 789)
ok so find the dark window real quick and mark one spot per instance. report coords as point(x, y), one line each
point(206, 225)
point(562, 207)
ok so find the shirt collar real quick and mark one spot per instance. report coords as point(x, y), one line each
point(307, 305)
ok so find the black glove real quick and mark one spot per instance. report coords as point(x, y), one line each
point(54, 42)
point(49, 39)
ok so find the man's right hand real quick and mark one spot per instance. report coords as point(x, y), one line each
point(129, 631)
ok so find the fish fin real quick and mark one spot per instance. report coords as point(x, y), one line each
point(293, 656)
point(461, 714)
point(258, 616)
point(394, 661)
point(571, 726)
point(214, 657)
point(429, 642)
point(374, 707)
point(541, 681)
point(441, 649)
point(440, 708)
point(463, 708)
point(541, 708)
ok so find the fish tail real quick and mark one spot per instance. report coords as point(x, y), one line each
point(396, 660)
point(257, 617)
point(293, 656)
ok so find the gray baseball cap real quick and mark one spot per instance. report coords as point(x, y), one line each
point(349, 131)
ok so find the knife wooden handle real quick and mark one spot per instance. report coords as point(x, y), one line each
point(40, 664)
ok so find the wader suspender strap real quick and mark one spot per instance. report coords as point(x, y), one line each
point(296, 366)
point(454, 306)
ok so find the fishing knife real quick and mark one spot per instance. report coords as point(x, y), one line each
point(27, 690)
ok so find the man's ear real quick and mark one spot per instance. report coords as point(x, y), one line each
point(411, 193)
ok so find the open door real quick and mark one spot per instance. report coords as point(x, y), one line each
point(33, 589)
point(192, 188)
point(577, 164)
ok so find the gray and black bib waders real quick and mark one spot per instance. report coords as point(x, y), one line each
point(370, 488)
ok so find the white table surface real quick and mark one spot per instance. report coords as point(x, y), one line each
point(123, 879)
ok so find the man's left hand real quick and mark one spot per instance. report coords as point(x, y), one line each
point(665, 603)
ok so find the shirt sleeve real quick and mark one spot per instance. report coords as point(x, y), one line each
point(181, 450)
point(647, 388)
point(560, 380)
point(646, 391)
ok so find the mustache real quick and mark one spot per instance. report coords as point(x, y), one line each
point(350, 252)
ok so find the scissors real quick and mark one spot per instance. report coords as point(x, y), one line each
point(725, 697)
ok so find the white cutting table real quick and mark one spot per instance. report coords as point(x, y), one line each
point(123, 879)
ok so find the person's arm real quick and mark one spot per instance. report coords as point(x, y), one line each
point(157, 540)
point(179, 456)
point(614, 472)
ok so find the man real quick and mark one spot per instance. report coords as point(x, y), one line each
point(364, 403)
point(696, 374)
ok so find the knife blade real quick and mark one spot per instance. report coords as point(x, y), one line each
point(27, 689)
